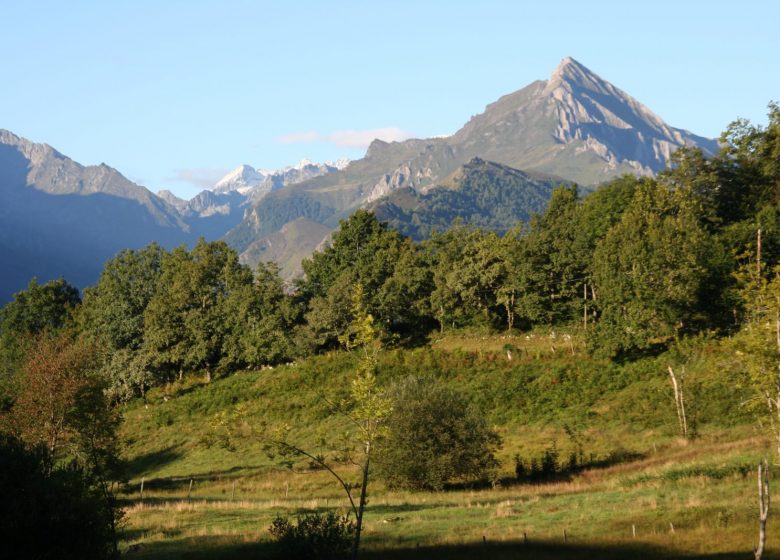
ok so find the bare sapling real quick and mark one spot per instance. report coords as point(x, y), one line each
point(679, 401)
point(763, 507)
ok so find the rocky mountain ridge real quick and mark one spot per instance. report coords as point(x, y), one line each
point(61, 218)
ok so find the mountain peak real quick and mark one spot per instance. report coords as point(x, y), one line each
point(242, 177)
point(568, 64)
point(572, 73)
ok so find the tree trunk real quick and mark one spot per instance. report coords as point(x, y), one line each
point(763, 506)
point(361, 505)
point(777, 329)
point(585, 307)
point(679, 403)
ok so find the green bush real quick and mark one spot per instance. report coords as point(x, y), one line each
point(51, 511)
point(314, 536)
point(434, 437)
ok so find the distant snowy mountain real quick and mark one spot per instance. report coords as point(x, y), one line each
point(213, 212)
point(256, 183)
point(241, 179)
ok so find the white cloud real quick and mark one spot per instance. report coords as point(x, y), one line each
point(200, 177)
point(347, 138)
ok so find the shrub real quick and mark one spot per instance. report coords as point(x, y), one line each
point(51, 512)
point(434, 437)
point(314, 536)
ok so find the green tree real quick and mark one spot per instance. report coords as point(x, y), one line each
point(434, 437)
point(518, 291)
point(468, 272)
point(756, 346)
point(38, 308)
point(366, 411)
point(363, 251)
point(552, 251)
point(751, 154)
point(403, 299)
point(112, 315)
point(113, 310)
point(329, 314)
point(261, 320)
point(185, 322)
point(650, 271)
point(61, 406)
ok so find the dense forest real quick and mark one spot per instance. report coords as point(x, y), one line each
point(639, 265)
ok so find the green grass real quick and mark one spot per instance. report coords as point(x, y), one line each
point(549, 391)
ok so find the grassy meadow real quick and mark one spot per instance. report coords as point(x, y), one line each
point(647, 494)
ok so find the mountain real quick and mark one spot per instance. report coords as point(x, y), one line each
point(574, 125)
point(481, 193)
point(256, 183)
point(288, 247)
point(212, 213)
point(241, 179)
point(60, 218)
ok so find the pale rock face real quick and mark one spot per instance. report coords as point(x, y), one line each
point(609, 123)
point(400, 178)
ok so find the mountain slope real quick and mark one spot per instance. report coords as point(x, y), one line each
point(288, 246)
point(574, 125)
point(59, 218)
point(481, 193)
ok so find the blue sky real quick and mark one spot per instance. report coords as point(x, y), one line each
point(173, 93)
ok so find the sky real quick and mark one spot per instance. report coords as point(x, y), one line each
point(176, 93)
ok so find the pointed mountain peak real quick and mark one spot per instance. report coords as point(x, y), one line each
point(569, 65)
point(572, 73)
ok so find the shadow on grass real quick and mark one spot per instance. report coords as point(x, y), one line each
point(181, 483)
point(515, 550)
point(197, 548)
point(565, 475)
point(148, 461)
point(201, 548)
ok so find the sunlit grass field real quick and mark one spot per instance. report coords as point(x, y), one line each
point(668, 497)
